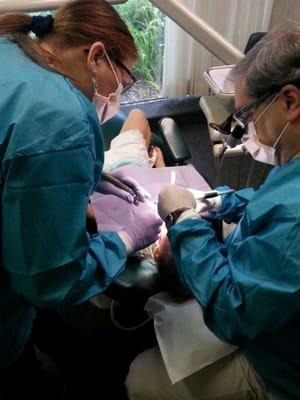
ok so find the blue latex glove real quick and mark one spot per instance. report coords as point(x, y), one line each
point(144, 229)
point(106, 187)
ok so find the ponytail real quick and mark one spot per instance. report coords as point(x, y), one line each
point(17, 26)
point(15, 23)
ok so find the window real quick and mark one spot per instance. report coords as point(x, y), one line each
point(146, 24)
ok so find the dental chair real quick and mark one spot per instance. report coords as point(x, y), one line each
point(167, 137)
point(140, 279)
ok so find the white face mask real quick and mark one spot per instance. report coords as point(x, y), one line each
point(259, 151)
point(107, 107)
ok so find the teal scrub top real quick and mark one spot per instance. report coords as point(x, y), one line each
point(249, 286)
point(51, 151)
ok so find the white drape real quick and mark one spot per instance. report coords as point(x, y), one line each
point(185, 60)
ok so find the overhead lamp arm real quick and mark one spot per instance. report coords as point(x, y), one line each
point(200, 30)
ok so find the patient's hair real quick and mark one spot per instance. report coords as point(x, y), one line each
point(169, 277)
point(77, 23)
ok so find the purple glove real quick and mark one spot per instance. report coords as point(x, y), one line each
point(144, 229)
point(106, 187)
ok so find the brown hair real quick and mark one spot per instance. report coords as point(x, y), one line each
point(78, 23)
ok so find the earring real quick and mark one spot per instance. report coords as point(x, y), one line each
point(95, 83)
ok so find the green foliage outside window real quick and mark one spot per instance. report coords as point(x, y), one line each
point(146, 24)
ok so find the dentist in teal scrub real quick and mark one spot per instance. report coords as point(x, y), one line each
point(248, 286)
point(52, 158)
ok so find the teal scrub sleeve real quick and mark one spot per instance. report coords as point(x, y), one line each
point(247, 290)
point(50, 258)
point(233, 204)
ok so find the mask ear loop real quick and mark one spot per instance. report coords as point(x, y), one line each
point(112, 68)
point(266, 109)
point(281, 134)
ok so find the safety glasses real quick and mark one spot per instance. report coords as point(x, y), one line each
point(133, 79)
point(236, 123)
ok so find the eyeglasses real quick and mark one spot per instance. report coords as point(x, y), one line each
point(236, 123)
point(133, 79)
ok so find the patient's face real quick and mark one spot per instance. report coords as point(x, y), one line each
point(162, 246)
point(167, 269)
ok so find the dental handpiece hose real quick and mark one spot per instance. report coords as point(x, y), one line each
point(214, 193)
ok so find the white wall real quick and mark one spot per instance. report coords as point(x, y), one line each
point(284, 10)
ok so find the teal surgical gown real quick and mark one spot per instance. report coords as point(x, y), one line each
point(249, 286)
point(51, 151)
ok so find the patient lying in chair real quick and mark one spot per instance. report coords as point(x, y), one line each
point(132, 145)
point(114, 214)
point(160, 251)
point(131, 148)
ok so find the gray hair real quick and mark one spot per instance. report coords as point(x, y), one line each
point(272, 63)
